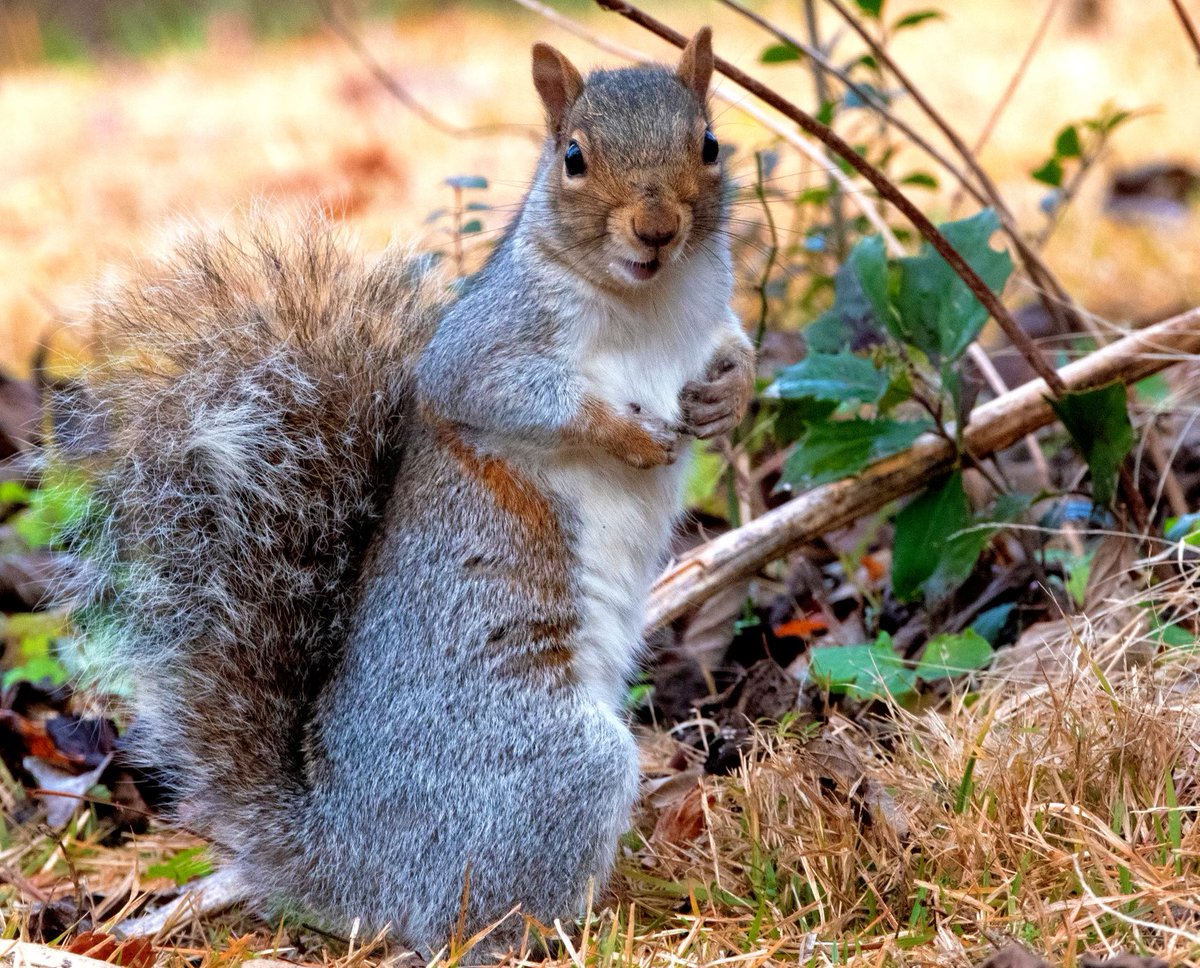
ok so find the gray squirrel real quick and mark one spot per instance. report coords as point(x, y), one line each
point(374, 562)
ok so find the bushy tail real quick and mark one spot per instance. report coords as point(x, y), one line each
point(238, 435)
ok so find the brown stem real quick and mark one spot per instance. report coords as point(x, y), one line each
point(1188, 27)
point(1017, 336)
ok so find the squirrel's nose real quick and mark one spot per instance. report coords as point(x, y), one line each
point(656, 230)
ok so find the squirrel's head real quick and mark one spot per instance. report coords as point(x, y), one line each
point(631, 174)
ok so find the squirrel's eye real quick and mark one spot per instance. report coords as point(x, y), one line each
point(710, 149)
point(573, 160)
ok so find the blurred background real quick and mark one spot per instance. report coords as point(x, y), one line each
point(123, 120)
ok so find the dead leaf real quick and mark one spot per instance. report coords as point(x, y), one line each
point(63, 790)
point(133, 953)
point(681, 819)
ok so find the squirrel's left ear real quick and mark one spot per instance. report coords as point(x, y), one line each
point(558, 84)
point(696, 64)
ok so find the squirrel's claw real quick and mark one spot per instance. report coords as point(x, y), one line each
point(716, 404)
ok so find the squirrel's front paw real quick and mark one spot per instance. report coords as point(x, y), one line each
point(660, 441)
point(716, 404)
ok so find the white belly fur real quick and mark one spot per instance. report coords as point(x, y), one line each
point(626, 515)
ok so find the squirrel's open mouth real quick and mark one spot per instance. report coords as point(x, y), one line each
point(640, 271)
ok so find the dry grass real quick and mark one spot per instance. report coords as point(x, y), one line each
point(1061, 812)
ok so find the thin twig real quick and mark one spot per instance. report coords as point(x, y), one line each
point(342, 29)
point(837, 210)
point(1189, 28)
point(1001, 106)
point(996, 309)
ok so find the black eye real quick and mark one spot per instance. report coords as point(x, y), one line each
point(573, 160)
point(710, 149)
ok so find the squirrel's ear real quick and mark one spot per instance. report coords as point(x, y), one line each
point(558, 84)
point(696, 64)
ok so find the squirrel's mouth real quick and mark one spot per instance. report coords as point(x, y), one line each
point(641, 271)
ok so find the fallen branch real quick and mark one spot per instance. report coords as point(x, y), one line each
point(993, 426)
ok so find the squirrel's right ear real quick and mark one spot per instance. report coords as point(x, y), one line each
point(696, 64)
point(558, 84)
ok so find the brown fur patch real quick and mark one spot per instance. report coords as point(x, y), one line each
point(513, 492)
point(598, 424)
point(541, 647)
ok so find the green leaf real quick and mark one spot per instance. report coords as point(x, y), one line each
point(991, 623)
point(1051, 173)
point(187, 865)
point(1098, 422)
point(936, 310)
point(35, 634)
point(871, 671)
point(794, 417)
point(860, 306)
point(14, 492)
point(950, 655)
point(780, 53)
point(703, 474)
point(923, 532)
point(467, 181)
point(872, 8)
point(835, 449)
point(921, 179)
point(825, 376)
point(472, 226)
point(1185, 528)
point(1067, 145)
point(1154, 389)
point(916, 17)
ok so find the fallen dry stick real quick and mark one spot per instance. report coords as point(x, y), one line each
point(994, 426)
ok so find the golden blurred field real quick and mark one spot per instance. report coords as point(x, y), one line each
point(103, 161)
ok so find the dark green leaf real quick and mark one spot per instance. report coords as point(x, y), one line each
point(835, 449)
point(472, 226)
point(950, 655)
point(923, 532)
point(780, 53)
point(872, 8)
point(991, 623)
point(936, 310)
point(825, 376)
point(871, 671)
point(922, 179)
point(1066, 145)
point(794, 417)
point(916, 17)
point(860, 306)
point(1098, 422)
point(1051, 173)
